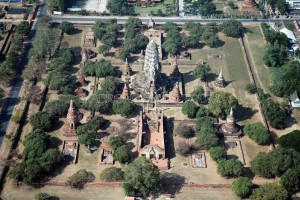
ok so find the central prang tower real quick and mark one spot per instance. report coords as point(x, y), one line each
point(151, 65)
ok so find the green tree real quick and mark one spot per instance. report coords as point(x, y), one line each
point(141, 176)
point(204, 122)
point(206, 141)
point(116, 142)
point(242, 186)
point(203, 112)
point(23, 28)
point(119, 7)
point(230, 168)
point(42, 196)
point(78, 179)
point(44, 41)
point(159, 12)
point(290, 140)
point(61, 81)
point(208, 8)
point(201, 71)
point(122, 154)
point(221, 102)
point(104, 49)
point(99, 101)
point(189, 41)
point(36, 144)
point(56, 108)
point(41, 120)
point(56, 5)
point(290, 180)
point(185, 131)
point(50, 160)
point(217, 153)
point(109, 84)
point(87, 139)
point(198, 95)
point(102, 68)
point(274, 113)
point(66, 27)
point(233, 28)
point(269, 191)
point(211, 39)
point(190, 109)
point(123, 107)
point(275, 55)
point(251, 88)
point(257, 132)
point(172, 44)
point(112, 174)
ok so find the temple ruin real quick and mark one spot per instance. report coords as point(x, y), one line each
point(249, 7)
point(126, 92)
point(175, 70)
point(105, 152)
point(72, 120)
point(150, 137)
point(176, 95)
point(230, 128)
point(127, 69)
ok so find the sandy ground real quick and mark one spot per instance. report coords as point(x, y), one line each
point(96, 5)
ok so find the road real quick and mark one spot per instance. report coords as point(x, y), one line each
point(181, 8)
point(157, 20)
point(13, 99)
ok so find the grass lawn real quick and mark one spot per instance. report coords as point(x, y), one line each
point(256, 45)
point(153, 8)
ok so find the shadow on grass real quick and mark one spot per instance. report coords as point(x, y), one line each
point(74, 31)
point(169, 141)
point(171, 183)
point(188, 77)
point(243, 113)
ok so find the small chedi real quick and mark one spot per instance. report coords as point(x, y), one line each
point(230, 128)
point(176, 95)
point(220, 81)
point(126, 92)
point(175, 70)
point(148, 83)
point(150, 138)
point(72, 120)
point(127, 69)
point(81, 77)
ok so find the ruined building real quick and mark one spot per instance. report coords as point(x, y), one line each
point(72, 120)
point(175, 70)
point(150, 137)
point(126, 92)
point(127, 69)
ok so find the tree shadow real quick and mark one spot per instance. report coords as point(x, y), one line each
point(169, 140)
point(228, 82)
point(188, 77)
point(219, 44)
point(171, 183)
point(290, 121)
point(75, 31)
point(55, 142)
point(209, 77)
point(243, 113)
point(57, 125)
point(235, 157)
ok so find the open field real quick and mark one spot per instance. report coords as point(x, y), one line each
point(152, 8)
point(256, 44)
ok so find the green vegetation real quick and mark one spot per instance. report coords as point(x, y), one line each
point(204, 8)
point(120, 7)
point(274, 113)
point(290, 180)
point(112, 174)
point(109, 85)
point(57, 108)
point(172, 43)
point(99, 101)
point(41, 120)
point(116, 142)
point(102, 68)
point(61, 81)
point(217, 153)
point(185, 131)
point(201, 71)
point(257, 132)
point(242, 186)
point(141, 176)
point(78, 179)
point(123, 107)
point(230, 168)
point(42, 196)
point(290, 140)
point(189, 108)
point(233, 28)
point(269, 191)
point(221, 102)
point(198, 95)
point(66, 27)
point(251, 88)
point(122, 154)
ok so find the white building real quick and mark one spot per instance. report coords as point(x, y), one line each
point(295, 101)
point(293, 4)
point(289, 34)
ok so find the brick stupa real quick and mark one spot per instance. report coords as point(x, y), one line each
point(126, 92)
point(175, 71)
point(72, 120)
point(220, 81)
point(127, 69)
point(81, 77)
point(176, 95)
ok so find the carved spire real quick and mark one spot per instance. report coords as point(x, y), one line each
point(81, 77)
point(69, 127)
point(175, 71)
point(176, 95)
point(220, 81)
point(126, 92)
point(127, 69)
point(230, 126)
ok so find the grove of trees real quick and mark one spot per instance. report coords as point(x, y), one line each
point(257, 132)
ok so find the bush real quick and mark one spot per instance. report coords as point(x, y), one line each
point(242, 186)
point(78, 179)
point(203, 112)
point(185, 131)
point(112, 174)
point(190, 109)
point(41, 120)
point(257, 132)
point(123, 107)
point(198, 95)
point(230, 168)
point(206, 141)
point(116, 142)
point(269, 191)
point(217, 153)
point(251, 88)
point(183, 148)
point(122, 154)
point(290, 180)
point(290, 140)
point(16, 117)
point(42, 196)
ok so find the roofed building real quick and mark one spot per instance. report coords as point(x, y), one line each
point(294, 99)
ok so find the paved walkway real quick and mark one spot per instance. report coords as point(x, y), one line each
point(181, 10)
